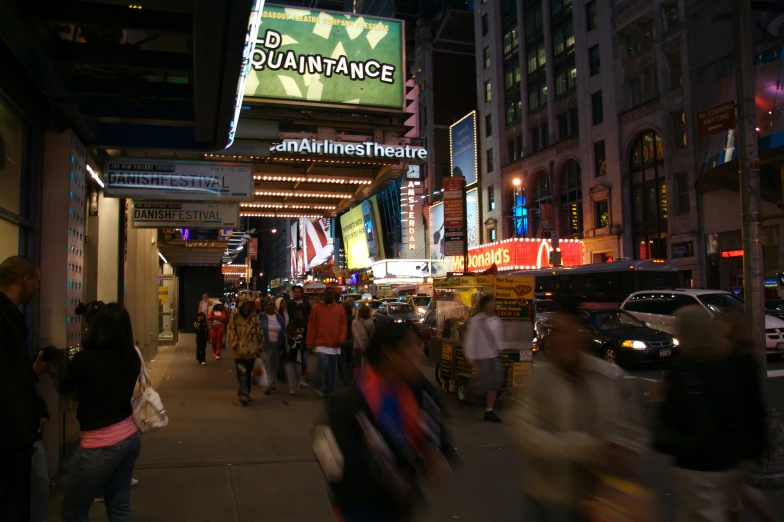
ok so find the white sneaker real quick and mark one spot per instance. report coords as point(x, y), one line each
point(318, 392)
point(133, 480)
point(303, 383)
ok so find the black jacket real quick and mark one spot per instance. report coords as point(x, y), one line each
point(365, 484)
point(305, 306)
point(711, 417)
point(22, 404)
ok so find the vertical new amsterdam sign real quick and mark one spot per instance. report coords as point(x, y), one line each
point(454, 216)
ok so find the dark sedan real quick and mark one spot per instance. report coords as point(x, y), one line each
point(618, 337)
point(396, 313)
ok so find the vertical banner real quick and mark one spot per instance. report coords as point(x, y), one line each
point(454, 216)
point(293, 240)
point(472, 217)
point(253, 249)
point(411, 210)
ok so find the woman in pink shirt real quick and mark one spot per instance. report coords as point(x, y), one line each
point(104, 375)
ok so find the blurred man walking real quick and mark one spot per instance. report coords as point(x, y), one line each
point(326, 332)
point(483, 345)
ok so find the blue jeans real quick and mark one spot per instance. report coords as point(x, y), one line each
point(39, 486)
point(106, 471)
point(244, 368)
point(328, 366)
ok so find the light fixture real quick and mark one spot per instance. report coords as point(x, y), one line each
point(274, 230)
point(516, 182)
point(134, 6)
point(163, 259)
point(94, 175)
point(312, 179)
point(298, 194)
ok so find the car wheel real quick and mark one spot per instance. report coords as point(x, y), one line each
point(610, 355)
point(462, 393)
point(438, 374)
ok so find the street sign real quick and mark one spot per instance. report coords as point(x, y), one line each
point(167, 214)
point(141, 178)
point(454, 216)
point(716, 120)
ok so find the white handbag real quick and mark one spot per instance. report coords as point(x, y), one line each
point(148, 411)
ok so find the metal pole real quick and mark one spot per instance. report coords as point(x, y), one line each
point(749, 174)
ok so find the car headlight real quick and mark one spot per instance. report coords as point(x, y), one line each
point(421, 310)
point(675, 342)
point(399, 321)
point(636, 345)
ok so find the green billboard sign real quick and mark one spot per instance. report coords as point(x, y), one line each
point(313, 56)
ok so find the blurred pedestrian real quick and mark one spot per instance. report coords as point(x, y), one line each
point(573, 420)
point(247, 342)
point(389, 434)
point(702, 418)
point(204, 304)
point(293, 357)
point(103, 375)
point(482, 347)
point(347, 347)
point(734, 326)
point(202, 336)
point(218, 320)
point(282, 307)
point(326, 333)
point(362, 329)
point(300, 302)
point(26, 413)
point(274, 330)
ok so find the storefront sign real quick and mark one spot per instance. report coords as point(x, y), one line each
point(313, 56)
point(454, 216)
point(681, 250)
point(161, 214)
point(462, 148)
point(514, 297)
point(366, 149)
point(178, 180)
point(716, 120)
point(519, 254)
point(735, 253)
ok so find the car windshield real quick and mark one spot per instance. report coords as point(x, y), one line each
point(421, 301)
point(400, 308)
point(375, 304)
point(717, 302)
point(615, 320)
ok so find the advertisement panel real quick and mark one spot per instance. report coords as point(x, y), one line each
point(519, 254)
point(462, 148)
point(514, 297)
point(317, 242)
point(436, 238)
point(327, 57)
point(355, 243)
point(454, 216)
point(166, 214)
point(472, 217)
point(178, 180)
point(372, 216)
point(293, 240)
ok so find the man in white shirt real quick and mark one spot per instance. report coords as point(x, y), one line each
point(482, 347)
point(204, 305)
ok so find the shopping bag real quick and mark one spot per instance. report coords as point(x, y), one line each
point(258, 374)
point(148, 411)
point(616, 499)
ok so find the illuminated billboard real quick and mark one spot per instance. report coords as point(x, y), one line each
point(320, 56)
point(316, 237)
point(519, 254)
point(362, 239)
point(462, 148)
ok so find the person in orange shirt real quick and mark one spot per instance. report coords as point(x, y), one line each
point(326, 332)
point(218, 319)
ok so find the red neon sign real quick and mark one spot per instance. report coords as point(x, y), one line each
point(732, 254)
point(519, 254)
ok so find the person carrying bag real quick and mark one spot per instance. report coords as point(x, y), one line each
point(148, 411)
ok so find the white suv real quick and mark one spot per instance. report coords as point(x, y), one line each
point(657, 309)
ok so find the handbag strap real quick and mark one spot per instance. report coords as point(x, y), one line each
point(144, 378)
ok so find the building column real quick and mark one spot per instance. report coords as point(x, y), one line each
point(141, 298)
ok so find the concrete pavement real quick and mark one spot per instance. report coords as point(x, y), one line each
point(218, 461)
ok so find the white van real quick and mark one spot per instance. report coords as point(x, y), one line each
point(657, 309)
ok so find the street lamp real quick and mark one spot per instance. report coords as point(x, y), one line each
point(516, 182)
point(274, 230)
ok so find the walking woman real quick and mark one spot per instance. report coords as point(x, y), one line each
point(282, 307)
point(362, 328)
point(274, 330)
point(104, 375)
point(218, 320)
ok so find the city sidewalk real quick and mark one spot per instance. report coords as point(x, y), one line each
point(218, 461)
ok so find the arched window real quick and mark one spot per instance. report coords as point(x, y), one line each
point(648, 197)
point(541, 206)
point(571, 201)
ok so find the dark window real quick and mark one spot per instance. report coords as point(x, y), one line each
point(511, 152)
point(536, 143)
point(490, 165)
point(682, 193)
point(487, 57)
point(676, 72)
point(574, 122)
point(537, 94)
point(658, 303)
point(571, 200)
point(565, 77)
point(563, 125)
point(640, 38)
point(545, 135)
point(491, 197)
point(643, 87)
point(488, 124)
point(488, 91)
point(597, 108)
point(594, 60)
point(512, 111)
point(563, 37)
point(680, 139)
point(670, 17)
point(592, 15)
point(541, 206)
point(601, 214)
point(648, 197)
point(485, 25)
point(599, 159)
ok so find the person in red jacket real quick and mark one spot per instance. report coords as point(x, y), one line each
point(326, 332)
point(218, 319)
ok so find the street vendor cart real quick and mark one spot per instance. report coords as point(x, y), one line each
point(456, 299)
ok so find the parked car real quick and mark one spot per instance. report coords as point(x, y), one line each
point(657, 309)
point(775, 307)
point(419, 302)
point(428, 327)
point(397, 313)
point(620, 338)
